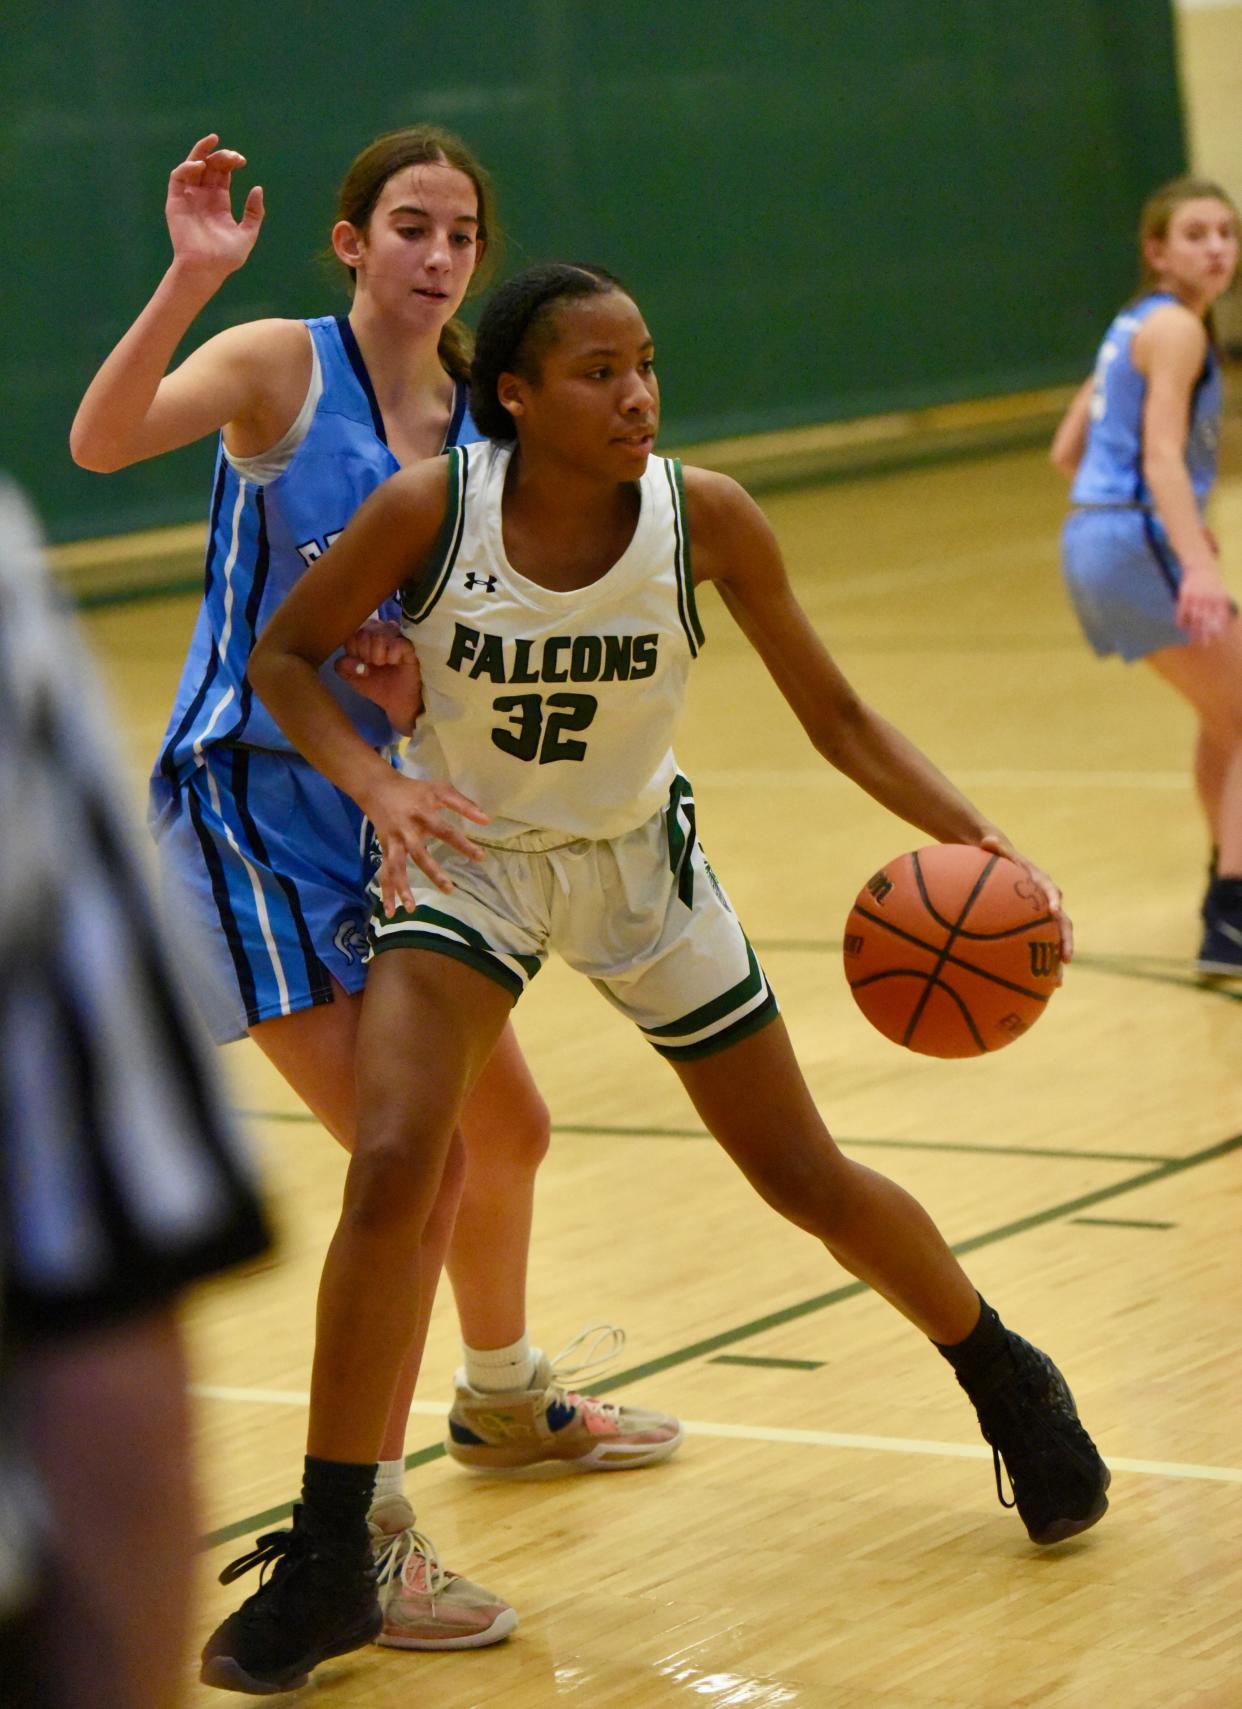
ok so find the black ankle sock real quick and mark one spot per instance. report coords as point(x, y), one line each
point(982, 1348)
point(1226, 894)
point(336, 1496)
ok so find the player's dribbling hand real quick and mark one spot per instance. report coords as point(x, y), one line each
point(406, 814)
point(379, 663)
point(998, 844)
point(199, 209)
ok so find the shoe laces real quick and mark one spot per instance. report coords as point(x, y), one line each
point(1032, 1397)
point(602, 1345)
point(402, 1556)
point(1000, 1487)
point(270, 1549)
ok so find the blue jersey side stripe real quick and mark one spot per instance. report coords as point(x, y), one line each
point(168, 759)
point(224, 907)
point(254, 604)
point(247, 547)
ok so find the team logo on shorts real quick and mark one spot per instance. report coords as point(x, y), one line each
point(351, 940)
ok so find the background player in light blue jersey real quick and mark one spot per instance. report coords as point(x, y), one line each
point(268, 860)
point(590, 540)
point(1139, 443)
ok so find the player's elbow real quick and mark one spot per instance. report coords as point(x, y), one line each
point(1161, 460)
point(272, 662)
point(263, 664)
point(95, 451)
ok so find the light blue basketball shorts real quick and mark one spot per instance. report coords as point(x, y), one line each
point(642, 915)
point(1123, 579)
point(263, 867)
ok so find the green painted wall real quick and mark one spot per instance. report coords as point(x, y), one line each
point(826, 209)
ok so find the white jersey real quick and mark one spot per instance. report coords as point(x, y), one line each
point(554, 712)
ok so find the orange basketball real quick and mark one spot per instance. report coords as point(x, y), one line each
point(952, 951)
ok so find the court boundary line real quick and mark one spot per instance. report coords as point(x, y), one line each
point(1172, 971)
point(781, 1434)
point(805, 1308)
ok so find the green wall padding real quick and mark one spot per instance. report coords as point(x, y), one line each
point(826, 209)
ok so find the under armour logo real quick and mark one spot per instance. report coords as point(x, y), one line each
point(487, 583)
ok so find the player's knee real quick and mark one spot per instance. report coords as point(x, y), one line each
point(392, 1185)
point(520, 1142)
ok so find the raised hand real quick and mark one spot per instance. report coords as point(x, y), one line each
point(199, 210)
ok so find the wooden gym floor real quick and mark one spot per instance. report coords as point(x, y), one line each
point(828, 1536)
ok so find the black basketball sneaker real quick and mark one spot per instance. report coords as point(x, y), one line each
point(320, 1601)
point(1027, 1415)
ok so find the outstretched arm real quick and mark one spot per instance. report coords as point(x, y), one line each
point(134, 408)
point(733, 546)
point(389, 538)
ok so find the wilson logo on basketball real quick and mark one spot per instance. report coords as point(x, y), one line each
point(853, 943)
point(1044, 958)
point(879, 886)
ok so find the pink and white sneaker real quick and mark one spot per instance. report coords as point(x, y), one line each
point(521, 1427)
point(425, 1606)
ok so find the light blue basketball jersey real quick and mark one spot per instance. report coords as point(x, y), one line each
point(1111, 470)
point(264, 863)
point(261, 539)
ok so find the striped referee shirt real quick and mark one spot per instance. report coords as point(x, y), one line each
point(121, 1177)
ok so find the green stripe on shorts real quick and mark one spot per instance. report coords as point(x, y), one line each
point(432, 929)
point(748, 1024)
point(717, 1009)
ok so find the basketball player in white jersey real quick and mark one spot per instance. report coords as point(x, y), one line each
point(263, 861)
point(547, 582)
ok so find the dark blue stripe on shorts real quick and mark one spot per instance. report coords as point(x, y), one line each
point(318, 980)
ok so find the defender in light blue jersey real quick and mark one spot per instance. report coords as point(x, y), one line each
point(1121, 571)
point(265, 862)
point(1139, 444)
point(251, 838)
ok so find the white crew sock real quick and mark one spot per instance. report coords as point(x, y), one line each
point(390, 1479)
point(495, 1370)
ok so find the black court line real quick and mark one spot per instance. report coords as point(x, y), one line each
point(851, 1142)
point(806, 1308)
point(1149, 969)
point(600, 1130)
point(1118, 1222)
point(768, 1364)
